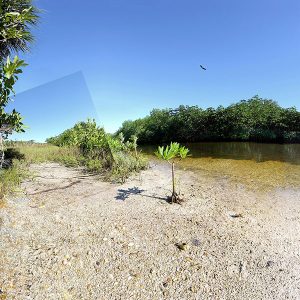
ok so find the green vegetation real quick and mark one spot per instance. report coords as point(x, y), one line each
point(256, 119)
point(18, 157)
point(16, 18)
point(11, 178)
point(170, 154)
point(30, 153)
point(8, 77)
point(85, 145)
point(101, 153)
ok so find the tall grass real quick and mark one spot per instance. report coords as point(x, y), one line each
point(40, 153)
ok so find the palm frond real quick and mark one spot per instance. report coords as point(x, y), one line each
point(16, 19)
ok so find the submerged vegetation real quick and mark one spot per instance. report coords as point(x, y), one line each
point(256, 119)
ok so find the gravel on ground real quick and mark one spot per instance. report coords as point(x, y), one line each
point(72, 236)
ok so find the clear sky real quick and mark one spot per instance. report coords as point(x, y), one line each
point(137, 55)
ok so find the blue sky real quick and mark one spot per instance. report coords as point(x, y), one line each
point(137, 55)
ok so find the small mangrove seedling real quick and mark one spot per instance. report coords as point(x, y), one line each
point(170, 153)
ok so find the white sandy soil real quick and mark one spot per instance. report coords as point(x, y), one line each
point(73, 236)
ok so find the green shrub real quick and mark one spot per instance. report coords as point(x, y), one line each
point(100, 152)
point(125, 164)
point(94, 165)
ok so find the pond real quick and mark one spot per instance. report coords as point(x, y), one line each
point(253, 164)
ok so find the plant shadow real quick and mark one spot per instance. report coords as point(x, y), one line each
point(9, 155)
point(125, 194)
point(56, 188)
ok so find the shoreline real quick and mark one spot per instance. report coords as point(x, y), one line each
point(72, 236)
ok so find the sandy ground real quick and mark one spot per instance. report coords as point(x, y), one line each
point(72, 236)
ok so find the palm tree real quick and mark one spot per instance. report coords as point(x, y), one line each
point(16, 19)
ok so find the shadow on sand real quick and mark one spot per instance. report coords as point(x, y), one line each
point(56, 188)
point(125, 194)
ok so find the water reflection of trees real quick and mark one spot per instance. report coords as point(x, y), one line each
point(254, 151)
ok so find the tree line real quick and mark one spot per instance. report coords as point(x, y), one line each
point(255, 119)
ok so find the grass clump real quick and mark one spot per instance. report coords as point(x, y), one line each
point(11, 178)
point(39, 153)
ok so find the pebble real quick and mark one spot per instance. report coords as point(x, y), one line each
point(196, 242)
point(269, 263)
point(182, 246)
point(157, 267)
point(234, 214)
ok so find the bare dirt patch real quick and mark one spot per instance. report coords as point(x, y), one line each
point(72, 236)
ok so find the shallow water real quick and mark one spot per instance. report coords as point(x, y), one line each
point(253, 164)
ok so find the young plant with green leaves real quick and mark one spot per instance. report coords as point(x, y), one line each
point(12, 121)
point(8, 78)
point(171, 153)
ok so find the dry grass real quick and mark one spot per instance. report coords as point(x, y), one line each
point(39, 153)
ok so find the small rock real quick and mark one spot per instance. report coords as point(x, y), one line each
point(167, 282)
point(196, 242)
point(269, 263)
point(233, 214)
point(130, 244)
point(181, 246)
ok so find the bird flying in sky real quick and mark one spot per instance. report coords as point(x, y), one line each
point(202, 68)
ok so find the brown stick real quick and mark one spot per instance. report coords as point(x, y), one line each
point(173, 179)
